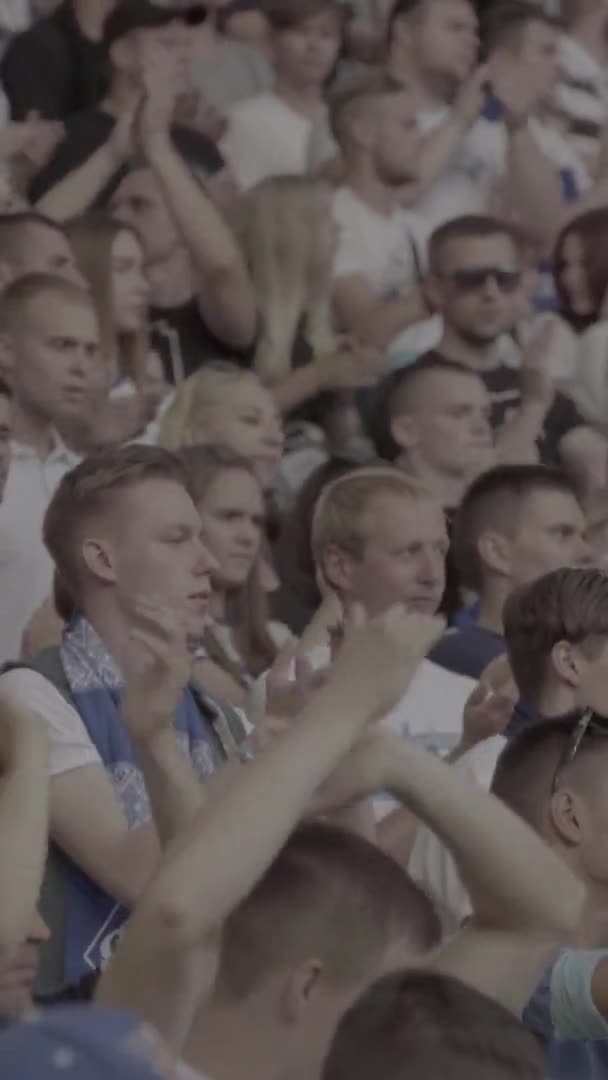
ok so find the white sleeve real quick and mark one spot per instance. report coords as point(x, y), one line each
point(591, 392)
point(70, 744)
point(573, 1010)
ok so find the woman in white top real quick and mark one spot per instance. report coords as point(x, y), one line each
point(240, 640)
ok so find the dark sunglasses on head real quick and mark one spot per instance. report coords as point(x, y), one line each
point(475, 277)
point(588, 722)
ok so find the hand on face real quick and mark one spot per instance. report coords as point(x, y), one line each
point(157, 667)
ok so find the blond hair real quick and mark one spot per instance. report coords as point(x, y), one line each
point(195, 399)
point(280, 234)
point(342, 505)
point(92, 238)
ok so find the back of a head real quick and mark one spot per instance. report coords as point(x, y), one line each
point(494, 501)
point(343, 504)
point(90, 490)
point(331, 895)
point(569, 605)
point(14, 232)
point(203, 464)
point(420, 1024)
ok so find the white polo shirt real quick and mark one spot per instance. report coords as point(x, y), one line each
point(26, 569)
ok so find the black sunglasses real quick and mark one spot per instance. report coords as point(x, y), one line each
point(474, 278)
point(588, 722)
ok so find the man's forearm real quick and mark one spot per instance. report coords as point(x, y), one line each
point(516, 439)
point(78, 190)
point(173, 788)
point(24, 818)
point(387, 319)
point(493, 848)
point(534, 186)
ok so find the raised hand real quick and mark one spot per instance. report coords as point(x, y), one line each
point(536, 383)
point(470, 98)
point(490, 707)
point(156, 666)
point(162, 87)
point(377, 662)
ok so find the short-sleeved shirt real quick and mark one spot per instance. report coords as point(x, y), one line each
point(468, 651)
point(265, 137)
point(563, 1014)
point(503, 385)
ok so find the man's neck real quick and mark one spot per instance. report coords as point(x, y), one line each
point(362, 178)
point(217, 604)
point(226, 1045)
point(91, 16)
point(473, 354)
point(110, 624)
point(491, 604)
point(305, 100)
point(171, 279)
point(429, 93)
point(33, 430)
point(590, 32)
point(447, 489)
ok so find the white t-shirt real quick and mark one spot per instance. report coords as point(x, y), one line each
point(591, 389)
point(266, 138)
point(582, 95)
point(470, 179)
point(431, 864)
point(390, 252)
point(186, 1072)
point(26, 570)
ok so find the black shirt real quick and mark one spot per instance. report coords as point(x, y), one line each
point(503, 385)
point(54, 69)
point(88, 131)
point(184, 342)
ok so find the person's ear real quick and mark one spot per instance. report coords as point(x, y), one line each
point(7, 358)
point(567, 815)
point(494, 551)
point(404, 431)
point(336, 567)
point(299, 990)
point(97, 557)
point(567, 662)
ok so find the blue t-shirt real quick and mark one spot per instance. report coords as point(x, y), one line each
point(468, 651)
point(562, 1014)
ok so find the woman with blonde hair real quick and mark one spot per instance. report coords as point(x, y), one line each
point(225, 405)
point(240, 641)
point(110, 259)
point(288, 235)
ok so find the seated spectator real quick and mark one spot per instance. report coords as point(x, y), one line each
point(419, 1024)
point(286, 131)
point(65, 60)
point(124, 535)
point(381, 253)
point(239, 641)
point(474, 280)
point(515, 523)
point(225, 406)
point(110, 258)
point(33, 244)
point(434, 423)
point(51, 349)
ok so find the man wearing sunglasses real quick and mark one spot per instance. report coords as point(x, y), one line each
point(474, 284)
point(553, 774)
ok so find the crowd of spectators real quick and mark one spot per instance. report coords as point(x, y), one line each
point(303, 539)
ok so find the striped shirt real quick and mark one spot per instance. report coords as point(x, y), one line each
point(582, 95)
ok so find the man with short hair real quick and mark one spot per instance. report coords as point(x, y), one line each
point(124, 535)
point(433, 421)
point(284, 131)
point(552, 775)
point(31, 243)
point(50, 351)
point(58, 66)
point(515, 523)
point(381, 253)
point(474, 282)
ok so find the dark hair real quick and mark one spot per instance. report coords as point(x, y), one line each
point(468, 227)
point(592, 229)
point(494, 501)
point(5, 390)
point(528, 763)
point(284, 16)
point(417, 1024)
point(565, 605)
point(391, 398)
point(504, 24)
point(330, 894)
